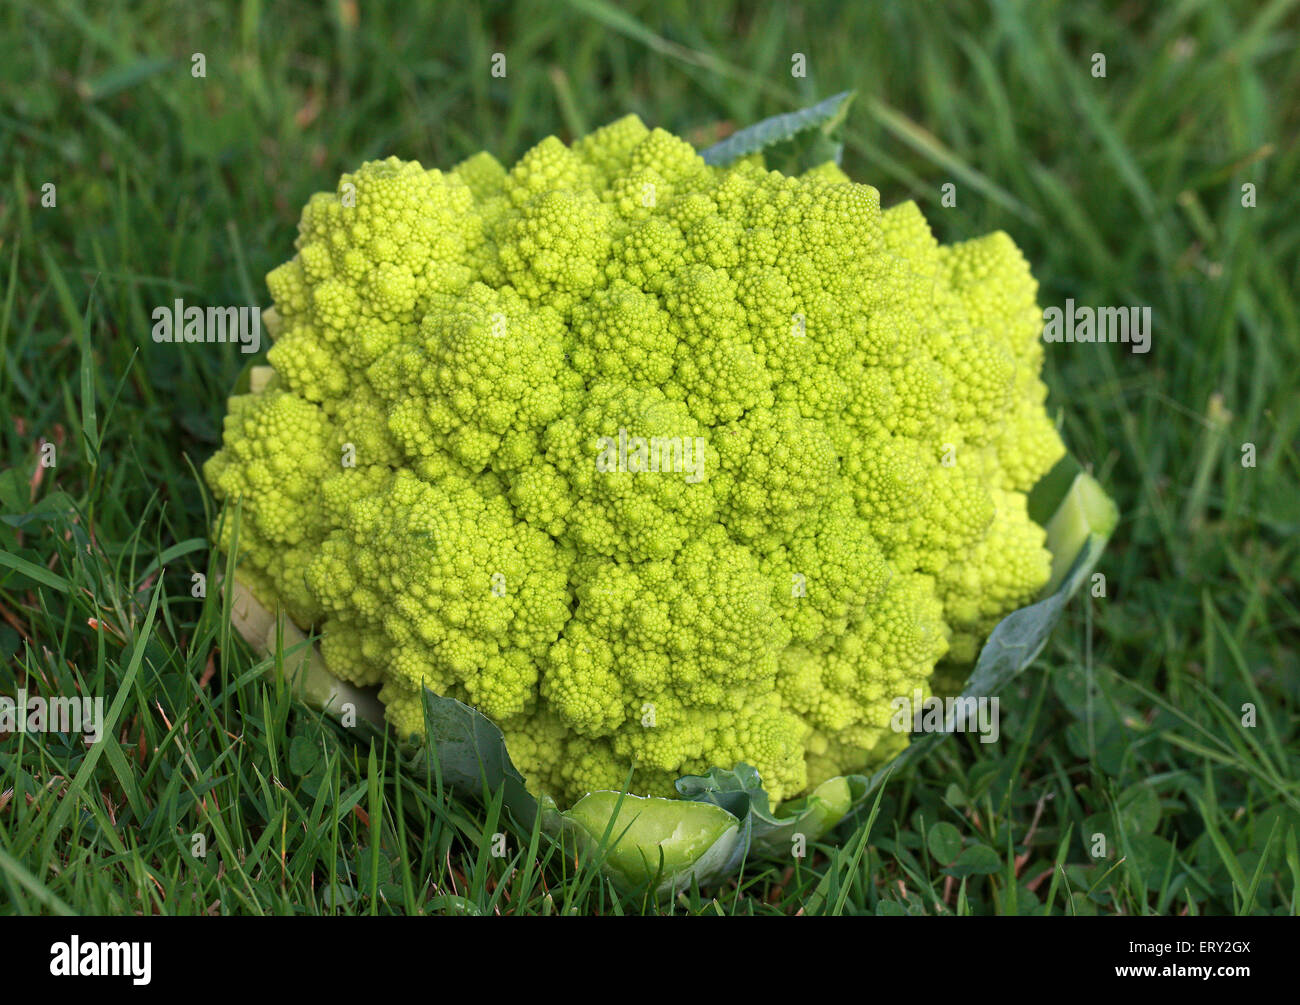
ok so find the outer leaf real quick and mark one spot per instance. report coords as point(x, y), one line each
point(740, 791)
point(1085, 516)
point(669, 841)
point(825, 117)
point(468, 752)
point(1046, 496)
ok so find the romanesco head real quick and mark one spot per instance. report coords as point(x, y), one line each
point(661, 466)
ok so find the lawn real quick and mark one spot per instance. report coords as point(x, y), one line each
point(1162, 716)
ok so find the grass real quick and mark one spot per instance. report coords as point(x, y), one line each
point(1125, 189)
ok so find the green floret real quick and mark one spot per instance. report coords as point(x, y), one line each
point(827, 572)
point(547, 168)
point(609, 148)
point(369, 255)
point(829, 172)
point(277, 449)
point(776, 467)
point(647, 255)
point(992, 278)
point(554, 249)
point(671, 159)
point(718, 373)
point(888, 651)
point(660, 465)
point(675, 633)
point(484, 376)
point(483, 174)
point(659, 652)
point(637, 468)
point(1002, 571)
point(468, 598)
point(622, 333)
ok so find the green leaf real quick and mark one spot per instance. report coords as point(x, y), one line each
point(255, 377)
point(468, 752)
point(15, 492)
point(89, 416)
point(646, 838)
point(825, 118)
point(1139, 808)
point(1152, 856)
point(740, 792)
point(1085, 516)
point(304, 753)
point(52, 508)
point(338, 895)
point(944, 842)
point(977, 860)
point(451, 904)
point(37, 573)
point(1047, 495)
point(1019, 637)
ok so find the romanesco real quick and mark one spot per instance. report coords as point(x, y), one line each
point(655, 463)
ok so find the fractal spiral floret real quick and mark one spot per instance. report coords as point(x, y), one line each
point(447, 474)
